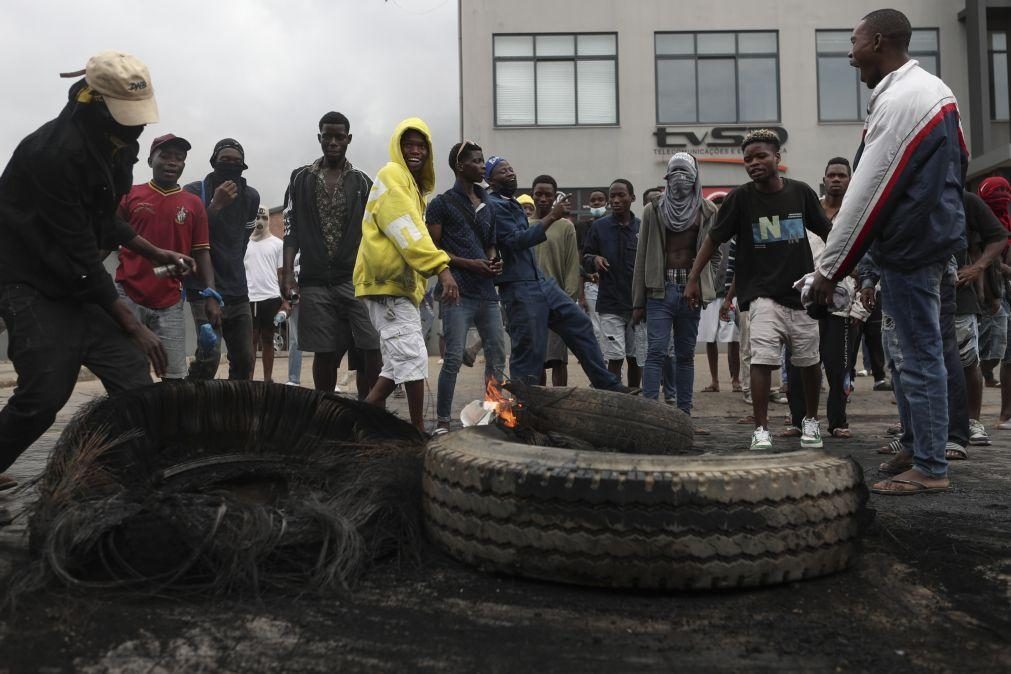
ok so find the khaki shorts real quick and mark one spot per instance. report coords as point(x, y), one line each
point(772, 325)
point(398, 322)
point(621, 339)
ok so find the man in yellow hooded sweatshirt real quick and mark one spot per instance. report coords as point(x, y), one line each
point(396, 255)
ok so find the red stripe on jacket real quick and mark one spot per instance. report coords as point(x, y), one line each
point(852, 257)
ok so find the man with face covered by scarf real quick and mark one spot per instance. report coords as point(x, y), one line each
point(58, 200)
point(231, 212)
point(995, 191)
point(673, 228)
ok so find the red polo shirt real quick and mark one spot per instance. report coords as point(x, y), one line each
point(171, 219)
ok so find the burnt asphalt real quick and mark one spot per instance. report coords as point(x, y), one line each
point(931, 591)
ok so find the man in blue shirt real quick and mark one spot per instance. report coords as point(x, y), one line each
point(461, 223)
point(533, 303)
point(609, 250)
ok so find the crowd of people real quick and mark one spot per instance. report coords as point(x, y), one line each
point(792, 277)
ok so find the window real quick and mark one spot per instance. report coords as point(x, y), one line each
point(842, 97)
point(998, 76)
point(717, 77)
point(556, 80)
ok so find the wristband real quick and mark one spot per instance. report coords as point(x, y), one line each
point(211, 292)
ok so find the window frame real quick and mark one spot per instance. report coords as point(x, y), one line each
point(991, 52)
point(574, 59)
point(862, 115)
point(736, 56)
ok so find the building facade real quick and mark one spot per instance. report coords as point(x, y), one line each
point(601, 89)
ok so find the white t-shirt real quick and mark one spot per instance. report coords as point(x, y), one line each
point(263, 259)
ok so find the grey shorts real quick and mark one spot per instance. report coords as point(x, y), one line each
point(332, 320)
point(556, 351)
point(622, 338)
point(170, 327)
point(967, 334)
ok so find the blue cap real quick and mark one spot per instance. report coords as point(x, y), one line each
point(490, 165)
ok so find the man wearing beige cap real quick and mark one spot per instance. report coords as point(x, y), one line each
point(58, 200)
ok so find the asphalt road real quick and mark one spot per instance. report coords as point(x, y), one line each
point(931, 591)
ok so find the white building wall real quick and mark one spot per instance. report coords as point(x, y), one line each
point(588, 156)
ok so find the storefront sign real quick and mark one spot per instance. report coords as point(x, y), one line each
point(715, 141)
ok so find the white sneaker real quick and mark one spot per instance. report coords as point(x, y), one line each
point(861, 373)
point(747, 397)
point(810, 437)
point(761, 439)
point(977, 433)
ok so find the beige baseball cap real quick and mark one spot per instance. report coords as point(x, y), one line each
point(125, 85)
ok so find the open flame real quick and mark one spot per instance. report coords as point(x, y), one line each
point(496, 401)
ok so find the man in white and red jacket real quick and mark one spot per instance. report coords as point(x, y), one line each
point(904, 203)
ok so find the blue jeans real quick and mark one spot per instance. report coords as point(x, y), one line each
point(672, 310)
point(913, 301)
point(456, 322)
point(534, 307)
point(670, 376)
point(294, 355)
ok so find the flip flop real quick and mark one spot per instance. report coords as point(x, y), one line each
point(893, 447)
point(843, 433)
point(747, 420)
point(737, 388)
point(1004, 425)
point(791, 432)
point(711, 389)
point(920, 488)
point(953, 452)
point(701, 431)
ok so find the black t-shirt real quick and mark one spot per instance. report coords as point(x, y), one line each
point(772, 248)
point(982, 227)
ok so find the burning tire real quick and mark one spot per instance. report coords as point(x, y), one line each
point(621, 422)
point(615, 520)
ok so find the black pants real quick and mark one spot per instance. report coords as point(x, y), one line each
point(870, 330)
point(237, 332)
point(834, 336)
point(49, 341)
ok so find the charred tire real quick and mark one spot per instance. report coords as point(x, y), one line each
point(618, 421)
point(616, 520)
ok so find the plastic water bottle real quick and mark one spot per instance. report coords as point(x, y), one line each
point(280, 317)
point(207, 339)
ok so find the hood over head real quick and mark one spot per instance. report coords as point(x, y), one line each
point(427, 182)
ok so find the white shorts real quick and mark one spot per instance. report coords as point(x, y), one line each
point(712, 329)
point(773, 325)
point(621, 339)
point(398, 322)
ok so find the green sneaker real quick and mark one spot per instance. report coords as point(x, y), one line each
point(761, 439)
point(810, 437)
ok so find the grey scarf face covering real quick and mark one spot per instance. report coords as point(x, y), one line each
point(682, 198)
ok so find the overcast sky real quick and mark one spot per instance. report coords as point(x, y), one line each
point(260, 71)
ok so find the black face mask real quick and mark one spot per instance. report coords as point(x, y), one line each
point(228, 171)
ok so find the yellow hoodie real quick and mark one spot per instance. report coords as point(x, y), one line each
point(397, 253)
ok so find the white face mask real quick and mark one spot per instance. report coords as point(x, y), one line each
point(598, 211)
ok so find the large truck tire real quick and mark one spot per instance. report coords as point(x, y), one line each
point(640, 521)
point(619, 421)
